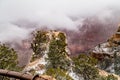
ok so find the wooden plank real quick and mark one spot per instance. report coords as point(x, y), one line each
point(16, 75)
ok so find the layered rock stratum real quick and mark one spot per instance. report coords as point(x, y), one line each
point(108, 54)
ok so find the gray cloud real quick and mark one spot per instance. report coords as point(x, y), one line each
point(66, 14)
point(12, 32)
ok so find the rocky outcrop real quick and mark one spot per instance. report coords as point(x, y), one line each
point(108, 48)
point(105, 74)
point(37, 65)
point(108, 54)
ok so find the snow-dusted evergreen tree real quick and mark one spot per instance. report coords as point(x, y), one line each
point(8, 60)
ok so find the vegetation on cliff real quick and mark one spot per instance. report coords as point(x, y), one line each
point(38, 44)
point(57, 55)
point(59, 63)
point(8, 59)
point(85, 67)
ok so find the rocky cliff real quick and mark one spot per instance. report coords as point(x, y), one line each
point(108, 54)
point(47, 46)
point(51, 57)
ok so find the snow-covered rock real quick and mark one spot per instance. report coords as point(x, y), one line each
point(109, 53)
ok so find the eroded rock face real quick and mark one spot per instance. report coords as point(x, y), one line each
point(110, 47)
point(114, 41)
point(105, 52)
point(38, 62)
point(108, 54)
point(104, 73)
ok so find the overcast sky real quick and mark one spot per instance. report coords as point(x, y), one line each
point(51, 13)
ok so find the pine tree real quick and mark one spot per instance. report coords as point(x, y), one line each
point(8, 59)
point(39, 43)
point(84, 66)
point(58, 74)
point(57, 55)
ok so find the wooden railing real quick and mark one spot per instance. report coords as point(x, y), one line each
point(16, 75)
point(22, 76)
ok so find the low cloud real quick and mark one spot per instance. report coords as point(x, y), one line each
point(20, 17)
